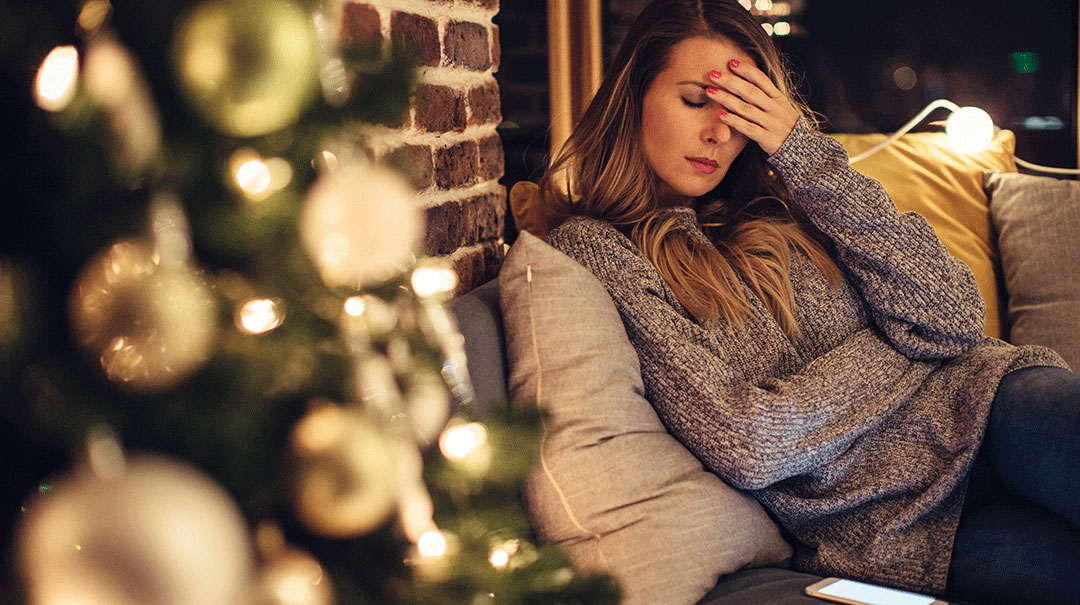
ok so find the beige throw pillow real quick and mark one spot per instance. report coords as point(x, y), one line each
point(1037, 219)
point(612, 486)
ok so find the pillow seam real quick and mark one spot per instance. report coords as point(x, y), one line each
point(544, 426)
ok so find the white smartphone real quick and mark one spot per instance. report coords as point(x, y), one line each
point(859, 593)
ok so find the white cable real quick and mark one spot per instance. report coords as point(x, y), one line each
point(905, 128)
point(1049, 169)
point(946, 104)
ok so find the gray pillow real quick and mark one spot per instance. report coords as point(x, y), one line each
point(612, 486)
point(1038, 224)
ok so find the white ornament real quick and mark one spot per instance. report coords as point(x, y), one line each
point(148, 325)
point(158, 532)
point(344, 484)
point(361, 225)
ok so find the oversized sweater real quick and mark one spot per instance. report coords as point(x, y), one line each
point(859, 435)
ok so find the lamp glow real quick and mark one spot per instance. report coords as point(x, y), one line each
point(969, 129)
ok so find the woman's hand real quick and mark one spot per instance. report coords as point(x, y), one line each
point(753, 105)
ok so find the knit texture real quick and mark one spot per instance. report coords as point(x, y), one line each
point(858, 436)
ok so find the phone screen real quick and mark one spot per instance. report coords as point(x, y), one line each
point(873, 595)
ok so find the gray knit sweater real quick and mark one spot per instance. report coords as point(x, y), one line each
point(859, 436)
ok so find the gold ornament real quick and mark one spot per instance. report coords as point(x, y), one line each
point(149, 325)
point(154, 531)
point(361, 225)
point(250, 67)
point(344, 483)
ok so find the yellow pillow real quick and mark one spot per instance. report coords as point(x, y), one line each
point(923, 174)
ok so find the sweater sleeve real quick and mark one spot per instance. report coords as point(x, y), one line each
point(925, 301)
point(750, 434)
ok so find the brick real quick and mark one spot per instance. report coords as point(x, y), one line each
point(476, 267)
point(418, 34)
point(491, 161)
point(456, 165)
point(444, 230)
point(440, 109)
point(361, 23)
point(496, 48)
point(484, 103)
point(489, 210)
point(465, 44)
point(415, 161)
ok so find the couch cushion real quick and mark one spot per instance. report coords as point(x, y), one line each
point(612, 486)
point(480, 322)
point(770, 585)
point(1038, 223)
point(923, 174)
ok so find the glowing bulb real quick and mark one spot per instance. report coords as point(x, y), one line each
point(428, 281)
point(499, 558)
point(746, 4)
point(56, 78)
point(460, 441)
point(259, 316)
point(253, 177)
point(354, 306)
point(768, 28)
point(763, 5)
point(782, 28)
point(969, 129)
point(432, 544)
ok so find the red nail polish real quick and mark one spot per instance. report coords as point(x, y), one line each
point(722, 113)
point(711, 90)
point(715, 75)
point(734, 62)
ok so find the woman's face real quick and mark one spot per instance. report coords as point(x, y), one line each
point(683, 139)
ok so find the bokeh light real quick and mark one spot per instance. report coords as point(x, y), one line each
point(56, 78)
point(259, 316)
point(459, 441)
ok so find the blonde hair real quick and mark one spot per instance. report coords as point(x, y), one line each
point(601, 171)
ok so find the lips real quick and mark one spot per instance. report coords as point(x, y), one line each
point(705, 165)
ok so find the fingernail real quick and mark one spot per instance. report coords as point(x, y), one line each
point(715, 75)
point(722, 113)
point(711, 90)
point(734, 62)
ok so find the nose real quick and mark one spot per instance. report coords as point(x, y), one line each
point(715, 131)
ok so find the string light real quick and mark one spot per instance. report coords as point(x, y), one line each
point(782, 28)
point(256, 177)
point(56, 78)
point(432, 544)
point(259, 316)
point(458, 442)
point(429, 281)
point(355, 306)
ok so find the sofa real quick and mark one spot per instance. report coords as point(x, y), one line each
point(619, 493)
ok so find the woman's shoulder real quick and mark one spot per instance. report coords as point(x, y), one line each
point(602, 249)
point(579, 234)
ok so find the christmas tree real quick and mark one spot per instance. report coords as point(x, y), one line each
point(229, 376)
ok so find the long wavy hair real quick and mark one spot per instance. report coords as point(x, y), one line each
point(601, 171)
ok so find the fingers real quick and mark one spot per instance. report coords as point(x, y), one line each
point(753, 105)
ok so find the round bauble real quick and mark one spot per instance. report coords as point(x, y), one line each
point(361, 225)
point(250, 67)
point(149, 326)
point(160, 532)
point(292, 578)
point(344, 481)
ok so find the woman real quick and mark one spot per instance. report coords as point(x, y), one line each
point(805, 340)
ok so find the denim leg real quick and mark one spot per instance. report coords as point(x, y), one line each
point(1033, 439)
point(1011, 551)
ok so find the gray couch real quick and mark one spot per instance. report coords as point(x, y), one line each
point(480, 321)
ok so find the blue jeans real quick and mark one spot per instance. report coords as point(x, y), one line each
point(1019, 534)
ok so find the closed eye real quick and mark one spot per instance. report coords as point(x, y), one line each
point(690, 103)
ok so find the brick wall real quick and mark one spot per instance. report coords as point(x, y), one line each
point(448, 137)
